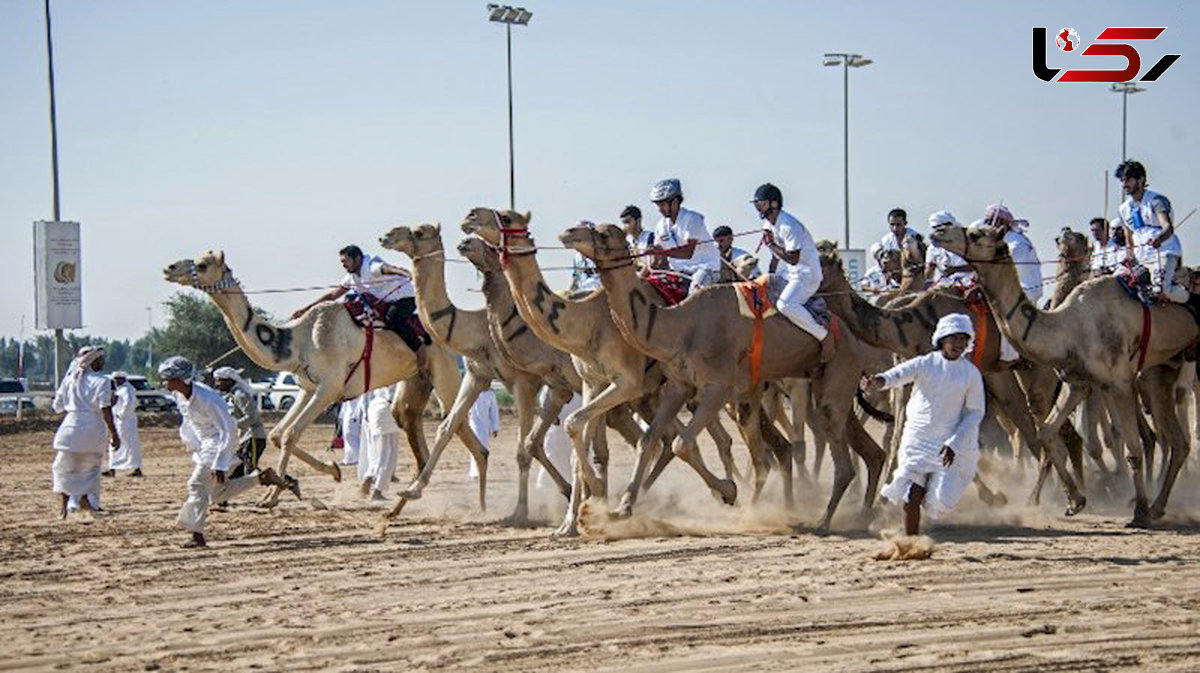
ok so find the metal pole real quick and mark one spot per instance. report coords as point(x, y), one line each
point(149, 337)
point(1124, 118)
point(512, 173)
point(58, 333)
point(846, 141)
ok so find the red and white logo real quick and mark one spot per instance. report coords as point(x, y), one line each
point(1068, 39)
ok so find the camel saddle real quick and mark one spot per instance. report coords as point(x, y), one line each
point(399, 316)
point(756, 300)
point(673, 288)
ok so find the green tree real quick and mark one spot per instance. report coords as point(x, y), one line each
point(196, 330)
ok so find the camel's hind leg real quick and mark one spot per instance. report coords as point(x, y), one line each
point(711, 397)
point(525, 390)
point(671, 398)
point(314, 406)
point(1159, 383)
point(547, 416)
point(873, 457)
point(468, 391)
point(276, 439)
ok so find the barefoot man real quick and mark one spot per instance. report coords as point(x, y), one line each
point(86, 396)
point(210, 433)
point(939, 448)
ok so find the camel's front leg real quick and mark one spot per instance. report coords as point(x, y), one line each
point(468, 391)
point(594, 407)
point(671, 398)
point(313, 406)
point(276, 439)
point(547, 416)
point(1051, 442)
point(711, 398)
point(525, 390)
point(1159, 386)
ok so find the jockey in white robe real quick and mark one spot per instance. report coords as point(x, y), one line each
point(350, 415)
point(945, 409)
point(86, 397)
point(129, 456)
point(484, 420)
point(382, 435)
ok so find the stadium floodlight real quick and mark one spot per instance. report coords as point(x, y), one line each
point(1125, 88)
point(510, 16)
point(847, 61)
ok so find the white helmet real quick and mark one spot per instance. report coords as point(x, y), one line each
point(942, 218)
point(665, 190)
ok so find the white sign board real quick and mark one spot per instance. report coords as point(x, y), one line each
point(57, 294)
point(855, 264)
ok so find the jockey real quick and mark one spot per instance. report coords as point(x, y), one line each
point(898, 229)
point(885, 275)
point(790, 243)
point(387, 288)
point(1024, 255)
point(1150, 232)
point(584, 278)
point(730, 253)
point(1109, 252)
point(942, 266)
point(682, 238)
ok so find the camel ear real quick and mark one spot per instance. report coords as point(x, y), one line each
point(437, 228)
point(528, 216)
point(220, 256)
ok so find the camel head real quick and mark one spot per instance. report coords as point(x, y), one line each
point(827, 247)
point(912, 251)
point(601, 243)
point(480, 253)
point(207, 272)
point(975, 244)
point(486, 223)
point(1073, 246)
point(745, 265)
point(831, 263)
point(890, 261)
point(415, 242)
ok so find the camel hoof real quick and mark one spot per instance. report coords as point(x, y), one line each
point(412, 493)
point(381, 528)
point(518, 519)
point(337, 472)
point(1157, 513)
point(1137, 523)
point(822, 529)
point(566, 531)
point(1076, 506)
point(727, 491)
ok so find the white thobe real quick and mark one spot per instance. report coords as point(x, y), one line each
point(82, 436)
point(371, 280)
point(383, 438)
point(1142, 217)
point(558, 447)
point(350, 415)
point(890, 242)
point(210, 433)
point(803, 278)
point(704, 266)
point(943, 260)
point(945, 409)
point(129, 456)
point(484, 420)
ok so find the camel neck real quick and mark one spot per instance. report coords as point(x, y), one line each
point(438, 313)
point(1071, 271)
point(1016, 316)
point(637, 310)
point(268, 345)
point(557, 321)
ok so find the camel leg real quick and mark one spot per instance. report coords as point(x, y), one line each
point(711, 398)
point(751, 423)
point(1159, 383)
point(1051, 444)
point(1125, 415)
point(899, 412)
point(782, 449)
point(873, 456)
point(468, 391)
point(671, 398)
point(798, 393)
point(276, 438)
point(546, 417)
point(525, 390)
point(665, 455)
point(593, 409)
point(314, 405)
point(407, 408)
point(724, 445)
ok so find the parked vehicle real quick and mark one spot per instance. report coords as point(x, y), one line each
point(151, 399)
point(284, 391)
point(262, 393)
point(12, 395)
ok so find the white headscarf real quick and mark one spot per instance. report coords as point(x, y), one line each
point(235, 375)
point(941, 218)
point(87, 356)
point(952, 323)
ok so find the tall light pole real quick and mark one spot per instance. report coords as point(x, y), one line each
point(847, 61)
point(58, 333)
point(509, 16)
point(149, 337)
point(1125, 88)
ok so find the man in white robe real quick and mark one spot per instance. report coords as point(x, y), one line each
point(210, 433)
point(129, 455)
point(484, 420)
point(86, 396)
point(682, 237)
point(557, 445)
point(243, 406)
point(350, 416)
point(1150, 231)
point(942, 266)
point(383, 441)
point(1025, 259)
point(939, 446)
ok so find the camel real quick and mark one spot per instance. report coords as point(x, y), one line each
point(324, 348)
point(907, 331)
point(1090, 353)
point(704, 344)
point(488, 357)
point(613, 372)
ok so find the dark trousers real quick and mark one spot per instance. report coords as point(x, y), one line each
point(248, 452)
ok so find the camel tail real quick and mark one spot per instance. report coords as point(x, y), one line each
point(877, 414)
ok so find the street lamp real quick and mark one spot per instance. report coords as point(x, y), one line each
point(1125, 88)
point(847, 61)
point(509, 16)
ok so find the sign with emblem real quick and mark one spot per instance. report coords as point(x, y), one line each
point(57, 288)
point(855, 264)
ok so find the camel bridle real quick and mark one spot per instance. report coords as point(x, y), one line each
point(226, 282)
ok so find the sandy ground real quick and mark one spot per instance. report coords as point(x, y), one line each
point(687, 585)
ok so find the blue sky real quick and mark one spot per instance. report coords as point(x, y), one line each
point(281, 130)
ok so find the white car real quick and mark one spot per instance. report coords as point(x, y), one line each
point(284, 391)
point(150, 398)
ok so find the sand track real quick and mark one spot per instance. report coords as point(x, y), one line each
point(450, 588)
